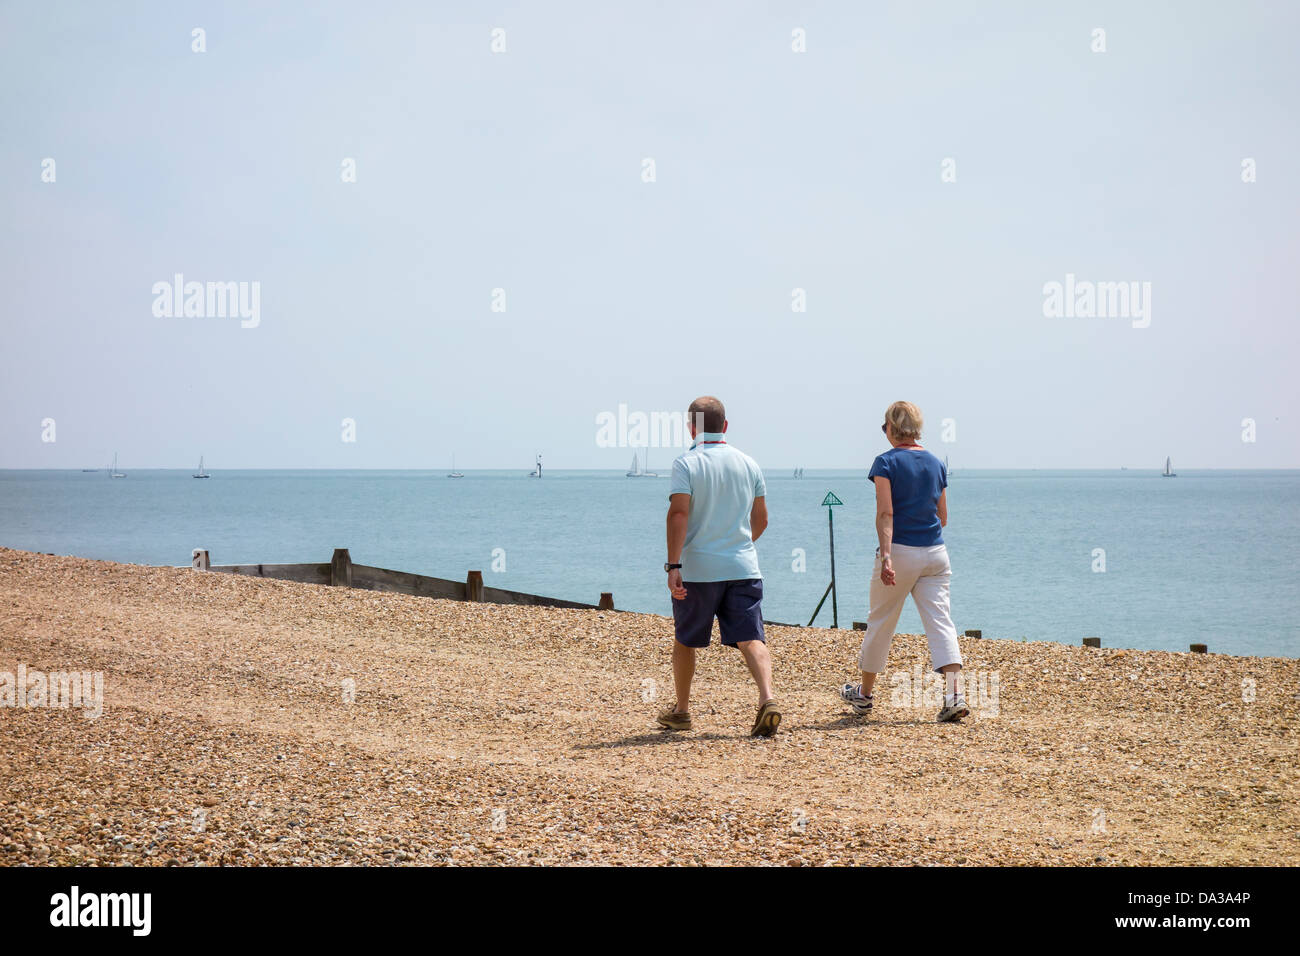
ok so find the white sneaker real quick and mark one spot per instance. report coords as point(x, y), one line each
point(955, 710)
point(852, 695)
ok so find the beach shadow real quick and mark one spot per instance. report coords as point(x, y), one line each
point(851, 721)
point(657, 738)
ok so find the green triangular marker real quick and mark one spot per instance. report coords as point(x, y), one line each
point(830, 499)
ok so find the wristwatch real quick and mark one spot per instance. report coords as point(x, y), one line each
point(671, 567)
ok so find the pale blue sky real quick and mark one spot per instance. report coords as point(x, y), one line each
point(522, 170)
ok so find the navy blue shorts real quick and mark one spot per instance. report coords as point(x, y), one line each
point(738, 606)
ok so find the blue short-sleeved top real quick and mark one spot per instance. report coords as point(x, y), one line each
point(916, 480)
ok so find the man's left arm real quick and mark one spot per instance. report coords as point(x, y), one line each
point(758, 518)
point(758, 511)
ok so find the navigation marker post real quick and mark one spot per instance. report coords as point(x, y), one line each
point(829, 503)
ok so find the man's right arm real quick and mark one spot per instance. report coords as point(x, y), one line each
point(679, 515)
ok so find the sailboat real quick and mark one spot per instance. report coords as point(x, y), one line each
point(202, 473)
point(113, 472)
point(454, 473)
point(537, 472)
point(1167, 473)
point(798, 472)
point(636, 471)
point(946, 470)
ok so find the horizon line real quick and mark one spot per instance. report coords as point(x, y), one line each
point(767, 470)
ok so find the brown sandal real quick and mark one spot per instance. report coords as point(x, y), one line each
point(670, 719)
point(768, 719)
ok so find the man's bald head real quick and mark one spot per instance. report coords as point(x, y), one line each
point(707, 414)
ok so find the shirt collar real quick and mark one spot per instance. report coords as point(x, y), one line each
point(704, 438)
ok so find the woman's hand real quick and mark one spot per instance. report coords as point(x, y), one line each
point(887, 571)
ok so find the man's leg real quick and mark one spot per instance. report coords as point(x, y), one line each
point(740, 622)
point(683, 673)
point(759, 663)
point(692, 628)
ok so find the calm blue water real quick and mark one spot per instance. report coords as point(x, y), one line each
point(1205, 557)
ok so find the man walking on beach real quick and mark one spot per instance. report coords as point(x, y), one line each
point(717, 508)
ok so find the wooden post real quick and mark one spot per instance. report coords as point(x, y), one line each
point(975, 633)
point(859, 625)
point(474, 586)
point(607, 600)
point(1092, 642)
point(341, 568)
point(200, 560)
point(1199, 649)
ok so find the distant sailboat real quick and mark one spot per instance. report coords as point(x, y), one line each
point(636, 471)
point(454, 473)
point(798, 472)
point(1167, 473)
point(537, 472)
point(113, 472)
point(946, 470)
point(202, 473)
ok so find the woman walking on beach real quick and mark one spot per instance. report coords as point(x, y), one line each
point(911, 512)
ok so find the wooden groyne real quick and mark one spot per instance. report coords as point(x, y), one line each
point(340, 571)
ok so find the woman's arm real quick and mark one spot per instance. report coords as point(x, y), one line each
point(943, 508)
point(885, 527)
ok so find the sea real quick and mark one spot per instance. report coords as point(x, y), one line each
point(1133, 558)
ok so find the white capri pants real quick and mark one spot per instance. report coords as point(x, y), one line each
point(925, 574)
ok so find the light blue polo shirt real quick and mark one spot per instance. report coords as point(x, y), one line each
point(723, 483)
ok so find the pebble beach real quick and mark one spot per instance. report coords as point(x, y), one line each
point(249, 721)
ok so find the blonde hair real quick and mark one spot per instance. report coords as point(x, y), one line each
point(905, 420)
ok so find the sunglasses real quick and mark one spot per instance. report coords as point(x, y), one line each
point(884, 427)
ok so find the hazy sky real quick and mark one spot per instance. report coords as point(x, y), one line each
point(523, 170)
